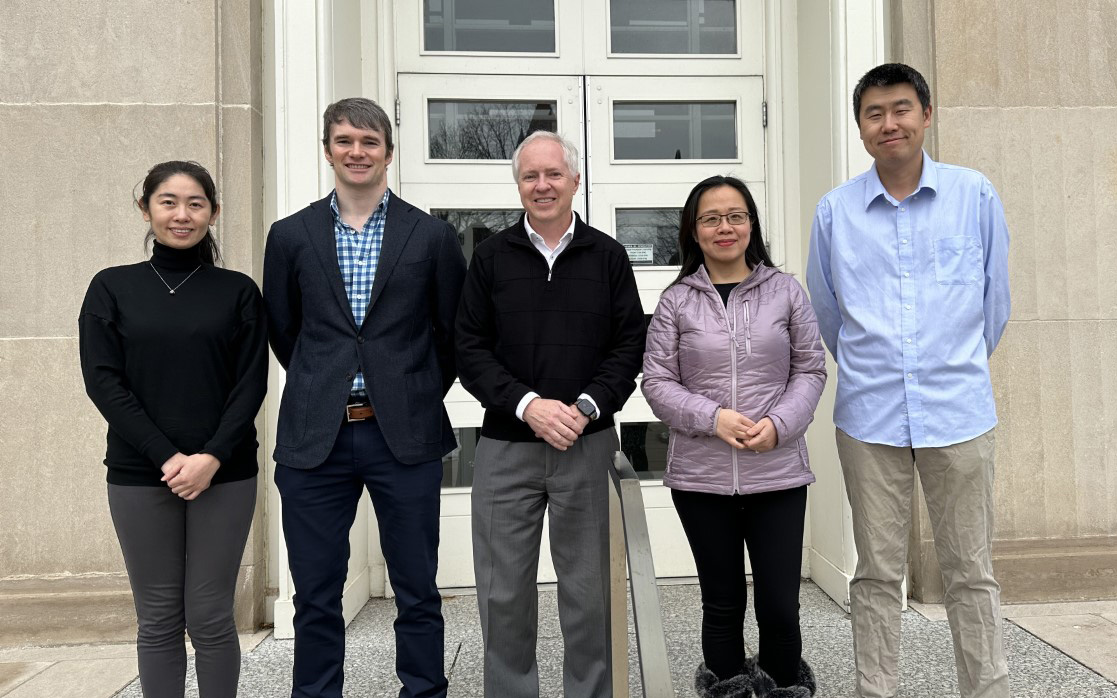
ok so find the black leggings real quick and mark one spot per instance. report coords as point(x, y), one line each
point(771, 525)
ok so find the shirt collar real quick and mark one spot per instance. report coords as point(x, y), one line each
point(381, 208)
point(567, 236)
point(928, 179)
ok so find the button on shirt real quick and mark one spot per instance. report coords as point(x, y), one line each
point(358, 252)
point(550, 256)
point(912, 297)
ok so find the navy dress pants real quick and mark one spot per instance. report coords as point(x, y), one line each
point(319, 506)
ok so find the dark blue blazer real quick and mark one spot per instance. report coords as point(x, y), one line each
point(404, 347)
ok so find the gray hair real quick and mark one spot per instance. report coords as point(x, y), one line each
point(360, 112)
point(569, 151)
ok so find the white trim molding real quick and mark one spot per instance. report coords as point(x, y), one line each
point(298, 84)
point(857, 42)
point(315, 52)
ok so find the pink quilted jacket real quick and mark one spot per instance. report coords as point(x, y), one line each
point(761, 356)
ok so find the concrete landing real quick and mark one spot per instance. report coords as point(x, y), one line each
point(1053, 650)
point(1039, 670)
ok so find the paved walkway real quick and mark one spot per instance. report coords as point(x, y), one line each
point(1053, 650)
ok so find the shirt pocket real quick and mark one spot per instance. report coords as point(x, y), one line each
point(958, 260)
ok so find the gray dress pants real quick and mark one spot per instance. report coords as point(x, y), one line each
point(182, 559)
point(514, 483)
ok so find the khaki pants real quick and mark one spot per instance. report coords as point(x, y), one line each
point(958, 487)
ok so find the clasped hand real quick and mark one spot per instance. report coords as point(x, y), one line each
point(740, 432)
point(189, 476)
point(555, 422)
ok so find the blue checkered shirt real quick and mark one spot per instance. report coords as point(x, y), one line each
point(358, 252)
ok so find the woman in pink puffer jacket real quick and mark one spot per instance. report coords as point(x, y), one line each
point(735, 367)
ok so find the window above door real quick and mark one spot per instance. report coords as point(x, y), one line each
point(581, 37)
point(488, 26)
point(464, 129)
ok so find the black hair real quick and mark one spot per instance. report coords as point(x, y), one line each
point(887, 75)
point(691, 253)
point(207, 246)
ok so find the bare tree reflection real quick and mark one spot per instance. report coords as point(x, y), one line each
point(485, 130)
point(474, 226)
point(658, 227)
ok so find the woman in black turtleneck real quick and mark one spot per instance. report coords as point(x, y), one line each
point(174, 354)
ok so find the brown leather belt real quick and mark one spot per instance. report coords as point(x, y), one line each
point(359, 412)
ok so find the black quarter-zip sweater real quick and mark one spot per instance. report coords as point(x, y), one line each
point(183, 372)
point(577, 329)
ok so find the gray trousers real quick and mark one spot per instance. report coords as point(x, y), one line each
point(958, 487)
point(182, 559)
point(513, 485)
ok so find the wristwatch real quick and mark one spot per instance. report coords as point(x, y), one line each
point(585, 406)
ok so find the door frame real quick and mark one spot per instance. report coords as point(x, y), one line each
point(352, 50)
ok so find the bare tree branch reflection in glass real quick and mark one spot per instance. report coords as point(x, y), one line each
point(467, 130)
point(651, 235)
point(474, 226)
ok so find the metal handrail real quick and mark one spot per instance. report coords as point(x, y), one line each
point(627, 514)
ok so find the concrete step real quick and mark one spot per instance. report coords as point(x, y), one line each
point(96, 609)
point(1063, 569)
point(66, 611)
point(1040, 570)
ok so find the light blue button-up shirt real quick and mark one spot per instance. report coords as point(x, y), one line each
point(912, 297)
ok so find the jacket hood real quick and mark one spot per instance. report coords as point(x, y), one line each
point(701, 279)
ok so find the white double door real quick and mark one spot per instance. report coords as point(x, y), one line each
point(644, 142)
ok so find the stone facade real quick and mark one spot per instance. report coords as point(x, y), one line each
point(84, 118)
point(1029, 97)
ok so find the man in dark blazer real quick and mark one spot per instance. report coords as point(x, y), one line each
point(361, 290)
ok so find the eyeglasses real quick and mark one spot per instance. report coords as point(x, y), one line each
point(713, 220)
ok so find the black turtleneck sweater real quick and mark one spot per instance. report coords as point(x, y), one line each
point(175, 373)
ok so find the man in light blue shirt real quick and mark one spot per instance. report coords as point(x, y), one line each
point(908, 274)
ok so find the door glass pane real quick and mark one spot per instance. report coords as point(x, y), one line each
point(673, 26)
point(515, 26)
point(645, 445)
point(457, 465)
point(650, 235)
point(674, 131)
point(475, 225)
point(468, 130)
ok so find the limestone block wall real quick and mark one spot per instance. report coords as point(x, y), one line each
point(1027, 93)
point(91, 95)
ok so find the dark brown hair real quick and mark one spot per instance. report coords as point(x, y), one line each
point(360, 113)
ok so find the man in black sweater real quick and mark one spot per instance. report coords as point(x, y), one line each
point(550, 338)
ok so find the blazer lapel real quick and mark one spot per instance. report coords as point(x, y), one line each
point(320, 230)
point(400, 223)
